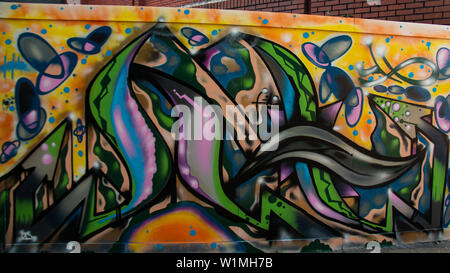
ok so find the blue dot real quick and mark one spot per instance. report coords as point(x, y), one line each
point(369, 121)
point(186, 11)
point(312, 33)
point(90, 8)
point(400, 97)
point(434, 89)
point(351, 67)
point(265, 21)
point(27, 28)
point(66, 89)
point(50, 25)
point(159, 246)
point(62, 8)
point(83, 61)
point(422, 66)
point(213, 245)
point(76, 145)
point(4, 33)
point(370, 78)
point(108, 53)
point(192, 232)
point(43, 31)
point(179, 10)
point(14, 7)
point(214, 32)
point(87, 26)
point(411, 75)
point(290, 45)
point(388, 40)
point(306, 35)
point(401, 26)
point(259, 18)
point(128, 30)
point(8, 42)
point(51, 120)
point(142, 8)
point(12, 108)
point(80, 153)
point(340, 21)
point(355, 132)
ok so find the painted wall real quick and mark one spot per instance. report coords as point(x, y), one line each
point(357, 150)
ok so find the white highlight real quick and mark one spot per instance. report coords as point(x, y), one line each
point(203, 3)
point(368, 40)
point(380, 51)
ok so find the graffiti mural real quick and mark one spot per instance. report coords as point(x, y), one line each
point(129, 129)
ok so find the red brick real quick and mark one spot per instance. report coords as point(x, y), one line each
point(370, 15)
point(404, 12)
point(362, 10)
point(434, 3)
point(394, 7)
point(442, 21)
point(339, 7)
point(414, 17)
point(423, 10)
point(432, 16)
point(414, 5)
point(387, 13)
point(354, 5)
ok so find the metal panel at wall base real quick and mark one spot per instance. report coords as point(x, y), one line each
point(144, 129)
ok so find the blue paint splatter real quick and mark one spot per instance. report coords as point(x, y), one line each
point(411, 75)
point(80, 153)
point(214, 32)
point(192, 232)
point(371, 78)
point(14, 7)
point(87, 26)
point(388, 40)
point(400, 97)
point(43, 31)
point(83, 61)
point(66, 90)
point(8, 42)
point(186, 12)
point(51, 120)
point(422, 66)
point(306, 35)
point(434, 89)
point(355, 132)
point(213, 245)
point(128, 30)
point(159, 246)
point(12, 108)
point(369, 121)
point(265, 21)
point(428, 45)
point(351, 67)
point(108, 53)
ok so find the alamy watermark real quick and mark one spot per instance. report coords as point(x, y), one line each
point(202, 121)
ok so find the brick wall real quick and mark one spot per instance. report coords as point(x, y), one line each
point(419, 11)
